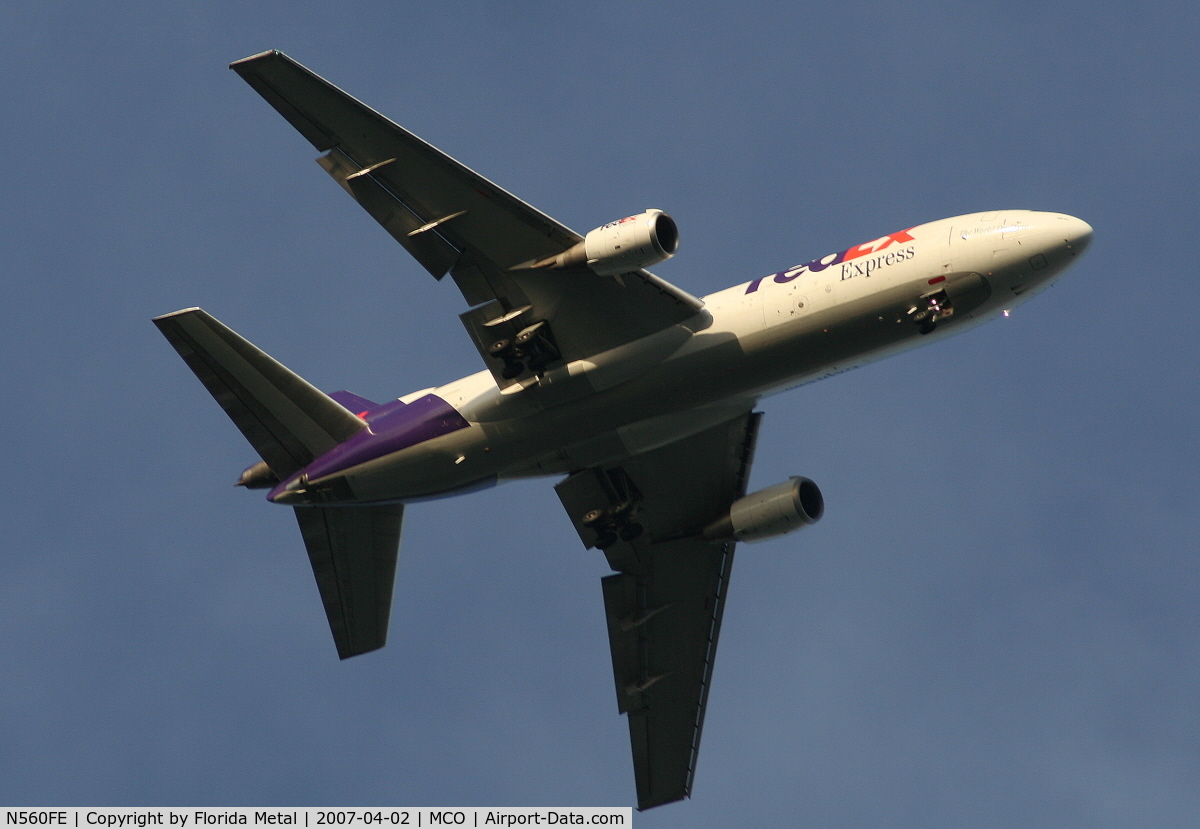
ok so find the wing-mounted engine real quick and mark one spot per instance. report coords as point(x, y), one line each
point(516, 344)
point(628, 244)
point(776, 510)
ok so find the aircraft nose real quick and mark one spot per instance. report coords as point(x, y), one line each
point(1078, 234)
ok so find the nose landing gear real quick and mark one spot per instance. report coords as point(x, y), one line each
point(929, 309)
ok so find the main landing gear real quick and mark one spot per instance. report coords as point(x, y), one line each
point(531, 348)
point(613, 524)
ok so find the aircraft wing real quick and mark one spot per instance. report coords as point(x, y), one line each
point(453, 220)
point(665, 602)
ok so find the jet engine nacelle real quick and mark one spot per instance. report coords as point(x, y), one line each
point(769, 512)
point(631, 243)
point(622, 246)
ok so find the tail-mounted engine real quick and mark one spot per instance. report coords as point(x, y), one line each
point(622, 246)
point(778, 509)
point(257, 476)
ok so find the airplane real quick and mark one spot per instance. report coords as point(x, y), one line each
point(640, 396)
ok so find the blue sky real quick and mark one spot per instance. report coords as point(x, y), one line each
point(995, 624)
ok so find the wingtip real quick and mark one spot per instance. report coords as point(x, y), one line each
point(270, 53)
point(351, 651)
point(178, 313)
point(653, 803)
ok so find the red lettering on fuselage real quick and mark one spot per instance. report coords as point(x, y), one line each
point(877, 245)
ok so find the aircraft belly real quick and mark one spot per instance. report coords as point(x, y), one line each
point(849, 333)
point(718, 375)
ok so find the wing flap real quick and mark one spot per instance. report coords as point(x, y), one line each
point(663, 629)
point(430, 250)
point(433, 183)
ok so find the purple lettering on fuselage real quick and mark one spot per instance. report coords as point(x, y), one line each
point(865, 249)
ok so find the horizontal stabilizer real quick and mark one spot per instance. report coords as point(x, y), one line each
point(353, 553)
point(287, 420)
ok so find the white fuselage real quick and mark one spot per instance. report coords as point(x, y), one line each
point(756, 339)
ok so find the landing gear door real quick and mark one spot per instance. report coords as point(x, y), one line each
point(967, 291)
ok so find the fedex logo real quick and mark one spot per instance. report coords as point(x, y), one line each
point(620, 222)
point(851, 268)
